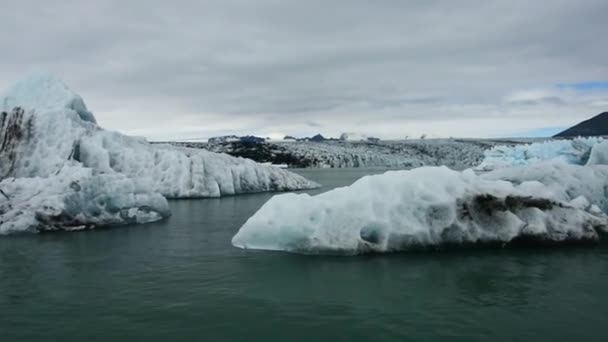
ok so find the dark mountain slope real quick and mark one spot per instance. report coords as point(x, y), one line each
point(597, 125)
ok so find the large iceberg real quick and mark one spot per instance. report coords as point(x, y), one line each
point(433, 207)
point(579, 151)
point(49, 139)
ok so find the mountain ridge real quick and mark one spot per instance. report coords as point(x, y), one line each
point(595, 126)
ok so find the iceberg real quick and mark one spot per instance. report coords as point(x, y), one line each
point(434, 207)
point(576, 151)
point(598, 154)
point(565, 181)
point(75, 199)
point(48, 138)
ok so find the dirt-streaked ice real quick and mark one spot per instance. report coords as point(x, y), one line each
point(434, 207)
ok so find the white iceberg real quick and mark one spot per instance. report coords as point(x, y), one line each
point(45, 127)
point(75, 199)
point(576, 151)
point(564, 181)
point(598, 154)
point(432, 207)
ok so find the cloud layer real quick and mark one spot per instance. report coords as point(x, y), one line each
point(185, 69)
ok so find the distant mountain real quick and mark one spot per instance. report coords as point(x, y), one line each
point(233, 138)
point(597, 125)
point(318, 138)
point(223, 139)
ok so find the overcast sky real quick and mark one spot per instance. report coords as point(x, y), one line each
point(388, 68)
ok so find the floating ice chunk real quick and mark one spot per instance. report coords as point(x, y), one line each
point(75, 199)
point(421, 208)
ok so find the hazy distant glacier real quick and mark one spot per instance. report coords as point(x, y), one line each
point(405, 154)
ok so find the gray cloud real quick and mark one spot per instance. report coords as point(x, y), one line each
point(554, 100)
point(171, 70)
point(313, 124)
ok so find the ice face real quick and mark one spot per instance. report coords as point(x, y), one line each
point(576, 151)
point(181, 172)
point(599, 154)
point(75, 199)
point(43, 134)
point(427, 207)
point(46, 128)
point(564, 181)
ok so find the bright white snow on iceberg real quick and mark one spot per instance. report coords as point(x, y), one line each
point(427, 207)
point(45, 127)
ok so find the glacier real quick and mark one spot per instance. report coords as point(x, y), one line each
point(579, 151)
point(50, 141)
point(405, 154)
point(434, 207)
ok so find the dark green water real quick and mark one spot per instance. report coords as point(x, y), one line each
point(181, 280)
